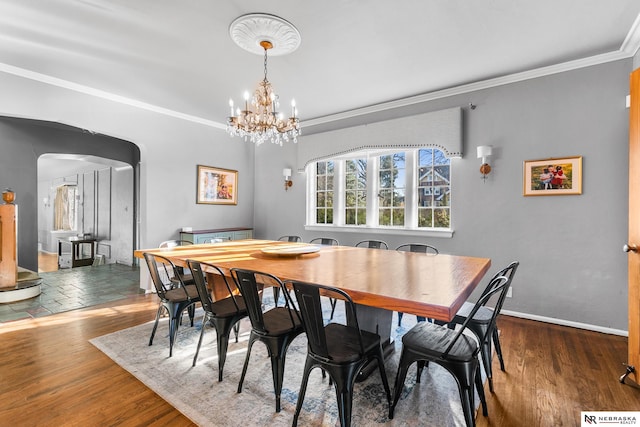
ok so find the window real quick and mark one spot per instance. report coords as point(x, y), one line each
point(355, 195)
point(434, 189)
point(324, 192)
point(395, 190)
point(391, 185)
point(65, 216)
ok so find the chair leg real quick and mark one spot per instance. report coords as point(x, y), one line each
point(486, 362)
point(400, 314)
point(480, 389)
point(303, 389)
point(345, 402)
point(421, 364)
point(383, 375)
point(155, 325)
point(236, 329)
point(252, 338)
point(496, 343)
point(223, 345)
point(277, 369)
point(333, 302)
point(204, 323)
point(403, 367)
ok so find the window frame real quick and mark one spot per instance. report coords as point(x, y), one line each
point(339, 187)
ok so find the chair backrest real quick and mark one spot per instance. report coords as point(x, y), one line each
point(290, 239)
point(198, 273)
point(325, 241)
point(310, 306)
point(251, 283)
point(174, 243)
point(418, 247)
point(496, 286)
point(507, 272)
point(372, 244)
point(162, 282)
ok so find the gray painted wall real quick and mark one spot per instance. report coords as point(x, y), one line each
point(572, 264)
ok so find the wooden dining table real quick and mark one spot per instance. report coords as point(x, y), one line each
point(379, 281)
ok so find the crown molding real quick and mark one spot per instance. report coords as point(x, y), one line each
point(471, 87)
point(65, 84)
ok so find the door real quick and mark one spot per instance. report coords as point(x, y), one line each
point(633, 245)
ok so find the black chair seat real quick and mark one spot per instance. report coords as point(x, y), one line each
point(432, 340)
point(278, 321)
point(343, 345)
point(177, 294)
point(226, 307)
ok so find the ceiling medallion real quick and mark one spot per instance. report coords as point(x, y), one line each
point(260, 33)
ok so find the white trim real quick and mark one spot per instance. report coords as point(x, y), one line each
point(445, 234)
point(569, 323)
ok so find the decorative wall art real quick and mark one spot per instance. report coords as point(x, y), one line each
point(553, 176)
point(217, 186)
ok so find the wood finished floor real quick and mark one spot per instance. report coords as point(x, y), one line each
point(52, 375)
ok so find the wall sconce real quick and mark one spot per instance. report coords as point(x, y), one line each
point(287, 178)
point(484, 151)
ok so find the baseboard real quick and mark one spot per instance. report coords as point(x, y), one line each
point(569, 323)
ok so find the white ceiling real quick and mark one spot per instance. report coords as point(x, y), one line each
point(178, 56)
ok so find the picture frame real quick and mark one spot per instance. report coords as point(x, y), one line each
point(216, 186)
point(555, 176)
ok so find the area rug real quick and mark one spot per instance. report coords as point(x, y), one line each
point(196, 392)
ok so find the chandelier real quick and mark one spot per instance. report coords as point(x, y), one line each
point(260, 120)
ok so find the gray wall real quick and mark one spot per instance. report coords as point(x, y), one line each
point(572, 265)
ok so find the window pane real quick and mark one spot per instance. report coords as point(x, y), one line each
point(384, 216)
point(385, 198)
point(321, 199)
point(350, 199)
point(329, 182)
point(321, 183)
point(330, 167)
point(385, 179)
point(329, 216)
point(350, 183)
point(398, 217)
point(441, 218)
point(398, 198)
point(434, 190)
point(321, 168)
point(424, 218)
point(320, 216)
point(350, 216)
point(361, 200)
point(362, 217)
point(329, 198)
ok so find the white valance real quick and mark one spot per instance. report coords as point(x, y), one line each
point(440, 129)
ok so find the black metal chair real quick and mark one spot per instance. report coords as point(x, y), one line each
point(341, 350)
point(275, 327)
point(223, 313)
point(290, 239)
point(174, 298)
point(372, 244)
point(419, 248)
point(453, 350)
point(186, 277)
point(481, 324)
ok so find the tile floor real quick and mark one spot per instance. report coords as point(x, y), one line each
point(74, 288)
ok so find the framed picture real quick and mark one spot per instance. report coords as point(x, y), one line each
point(552, 177)
point(217, 186)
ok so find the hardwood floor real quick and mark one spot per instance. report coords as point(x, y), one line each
point(47, 262)
point(52, 375)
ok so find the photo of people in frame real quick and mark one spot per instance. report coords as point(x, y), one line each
point(216, 185)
